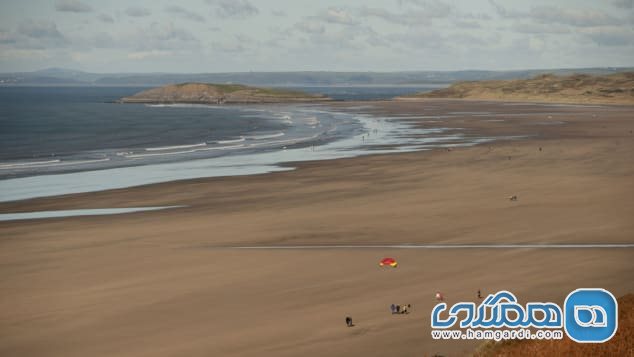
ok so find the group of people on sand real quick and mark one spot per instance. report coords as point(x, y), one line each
point(405, 309)
point(400, 309)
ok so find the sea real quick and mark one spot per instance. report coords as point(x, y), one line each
point(60, 140)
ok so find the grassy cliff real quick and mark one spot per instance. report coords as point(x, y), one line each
point(579, 88)
point(206, 93)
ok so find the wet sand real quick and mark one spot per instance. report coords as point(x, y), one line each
point(161, 283)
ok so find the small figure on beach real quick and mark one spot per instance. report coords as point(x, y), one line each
point(405, 309)
point(479, 295)
point(393, 308)
point(349, 321)
point(513, 198)
point(540, 148)
point(439, 296)
point(398, 309)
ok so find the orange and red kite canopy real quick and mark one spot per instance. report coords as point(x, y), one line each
point(388, 262)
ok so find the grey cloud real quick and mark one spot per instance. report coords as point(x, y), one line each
point(504, 12)
point(433, 8)
point(559, 15)
point(310, 26)
point(279, 13)
point(137, 11)
point(335, 15)
point(623, 4)
point(184, 13)
point(159, 37)
point(72, 6)
point(574, 17)
point(467, 24)
point(105, 18)
point(39, 29)
point(538, 28)
point(7, 37)
point(415, 17)
point(610, 35)
point(234, 8)
point(39, 34)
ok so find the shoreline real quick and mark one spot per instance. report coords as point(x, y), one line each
point(148, 283)
point(376, 135)
point(351, 107)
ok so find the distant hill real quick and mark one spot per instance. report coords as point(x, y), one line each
point(206, 93)
point(61, 76)
point(579, 88)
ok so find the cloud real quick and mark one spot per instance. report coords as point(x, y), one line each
point(141, 55)
point(335, 15)
point(537, 28)
point(137, 12)
point(573, 17)
point(72, 6)
point(432, 8)
point(184, 13)
point(310, 26)
point(610, 35)
point(278, 13)
point(39, 34)
point(7, 37)
point(39, 29)
point(558, 15)
point(467, 24)
point(623, 4)
point(411, 18)
point(234, 8)
point(105, 18)
point(159, 37)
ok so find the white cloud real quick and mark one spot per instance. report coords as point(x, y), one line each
point(234, 8)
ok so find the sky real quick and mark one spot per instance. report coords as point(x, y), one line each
point(306, 35)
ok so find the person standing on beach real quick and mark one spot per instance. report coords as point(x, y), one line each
point(348, 321)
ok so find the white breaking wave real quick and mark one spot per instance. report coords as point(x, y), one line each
point(175, 147)
point(137, 156)
point(292, 141)
point(268, 136)
point(230, 141)
point(28, 164)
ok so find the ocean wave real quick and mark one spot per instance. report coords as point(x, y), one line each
point(287, 141)
point(26, 165)
point(241, 139)
point(139, 156)
point(312, 121)
point(164, 148)
point(267, 136)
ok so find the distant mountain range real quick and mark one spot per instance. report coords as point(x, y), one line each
point(69, 77)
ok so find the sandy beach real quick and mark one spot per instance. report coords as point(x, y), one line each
point(173, 283)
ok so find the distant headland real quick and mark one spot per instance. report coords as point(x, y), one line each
point(578, 88)
point(208, 93)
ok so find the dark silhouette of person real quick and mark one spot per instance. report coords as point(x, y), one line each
point(349, 321)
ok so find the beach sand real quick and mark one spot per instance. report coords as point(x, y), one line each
point(164, 283)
